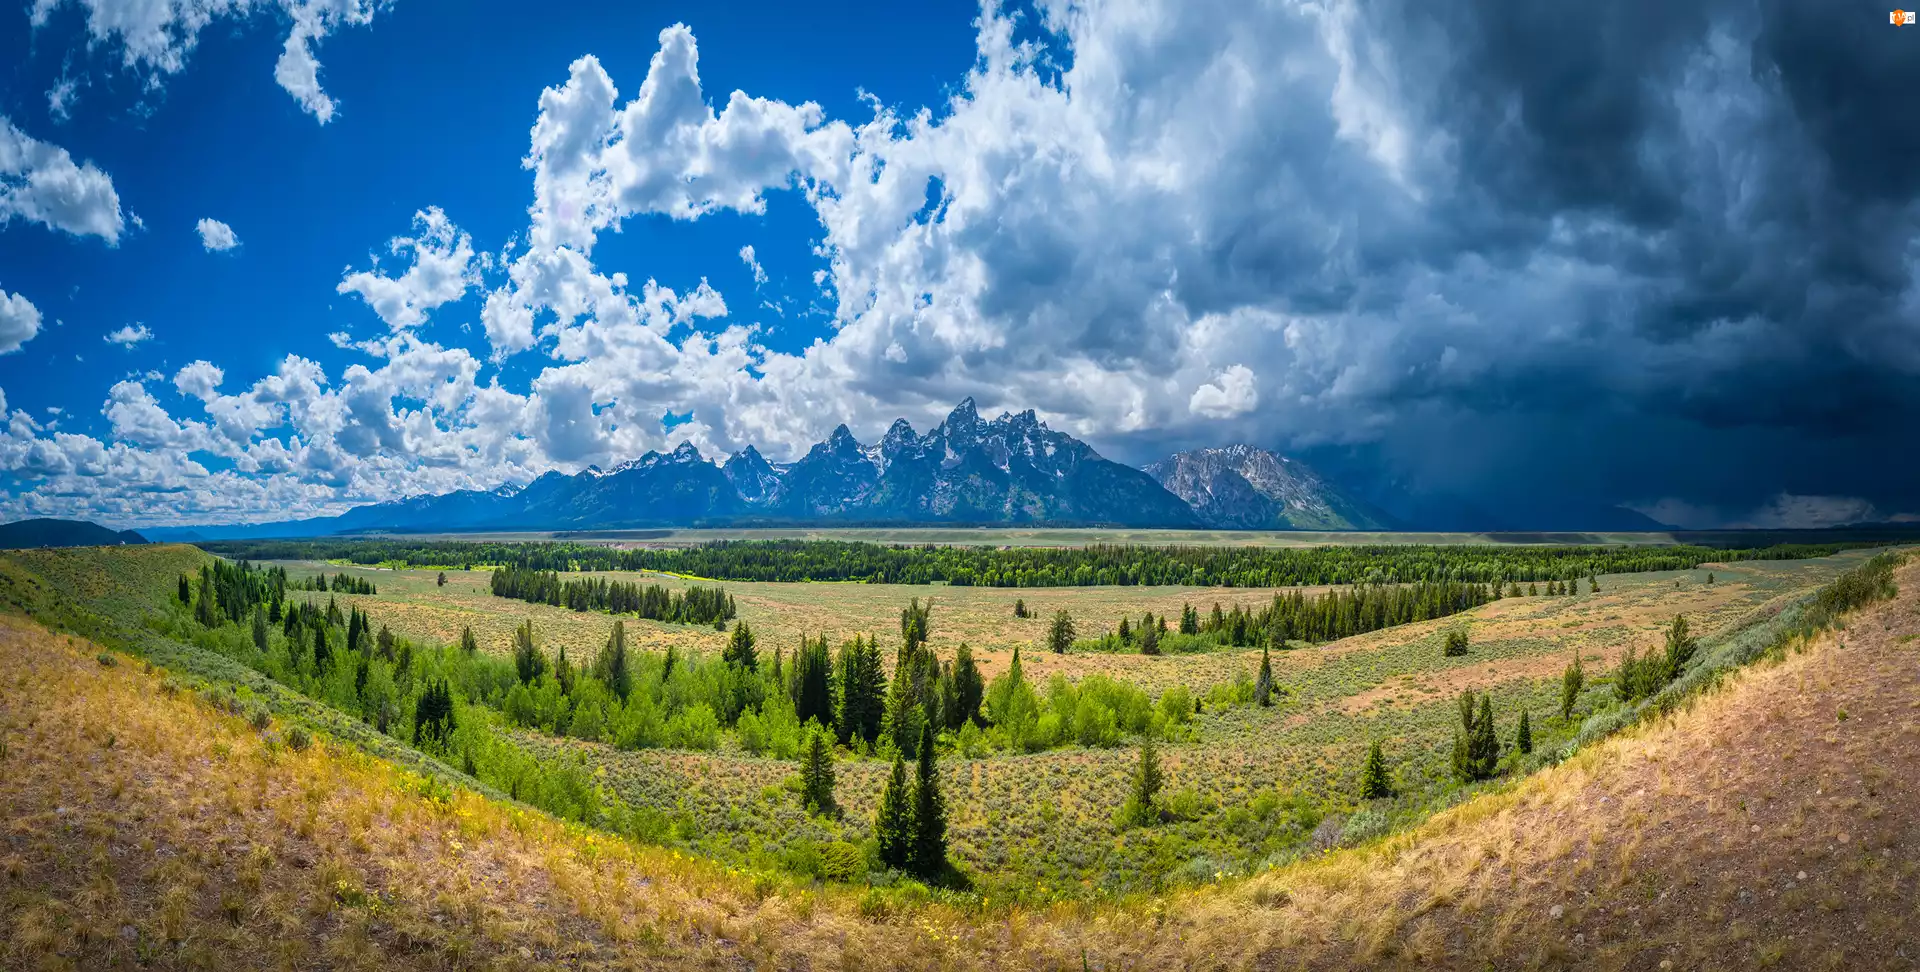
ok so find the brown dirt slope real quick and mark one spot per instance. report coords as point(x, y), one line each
point(1773, 824)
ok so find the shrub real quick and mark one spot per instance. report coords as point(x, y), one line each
point(105, 659)
point(260, 719)
point(299, 738)
point(1456, 643)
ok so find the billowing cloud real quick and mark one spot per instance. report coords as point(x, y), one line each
point(215, 235)
point(40, 183)
point(19, 323)
point(441, 266)
point(156, 36)
point(130, 335)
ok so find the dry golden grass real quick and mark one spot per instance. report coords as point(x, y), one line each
point(143, 829)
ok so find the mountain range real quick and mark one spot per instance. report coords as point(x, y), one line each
point(965, 471)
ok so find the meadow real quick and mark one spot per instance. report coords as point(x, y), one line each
point(1247, 786)
point(166, 819)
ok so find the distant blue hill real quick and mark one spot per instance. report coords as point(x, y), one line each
point(44, 532)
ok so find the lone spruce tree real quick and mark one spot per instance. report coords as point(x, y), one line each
point(929, 813)
point(1571, 682)
point(1142, 805)
point(739, 649)
point(259, 629)
point(893, 825)
point(1374, 783)
point(1263, 686)
point(1680, 648)
point(816, 775)
point(1523, 737)
point(1060, 633)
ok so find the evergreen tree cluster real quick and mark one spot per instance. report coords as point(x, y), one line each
point(1640, 676)
point(341, 583)
point(1476, 749)
point(695, 605)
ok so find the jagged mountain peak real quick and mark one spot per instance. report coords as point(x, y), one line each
point(1249, 488)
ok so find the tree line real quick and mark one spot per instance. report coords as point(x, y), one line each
point(695, 605)
point(1095, 564)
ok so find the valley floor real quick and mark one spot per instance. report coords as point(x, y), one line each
point(1775, 822)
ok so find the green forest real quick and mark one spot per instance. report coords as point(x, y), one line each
point(1100, 564)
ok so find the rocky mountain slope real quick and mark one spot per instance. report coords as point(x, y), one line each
point(1241, 487)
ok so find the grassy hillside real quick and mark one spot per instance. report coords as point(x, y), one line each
point(1770, 822)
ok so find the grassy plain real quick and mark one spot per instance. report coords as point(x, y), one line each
point(1768, 824)
point(1260, 785)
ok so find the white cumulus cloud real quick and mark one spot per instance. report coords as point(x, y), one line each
point(19, 323)
point(1230, 393)
point(441, 266)
point(130, 335)
point(215, 235)
point(40, 183)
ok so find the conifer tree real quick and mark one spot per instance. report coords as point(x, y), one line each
point(1680, 647)
point(205, 610)
point(1149, 639)
point(1456, 642)
point(563, 672)
point(470, 645)
point(816, 775)
point(916, 624)
point(259, 629)
point(1126, 632)
point(1060, 633)
point(893, 824)
point(969, 689)
point(442, 580)
point(1142, 804)
point(1523, 737)
point(1476, 749)
point(739, 649)
point(929, 813)
point(1709, 578)
point(433, 715)
point(614, 667)
point(1593, 583)
point(385, 641)
point(1020, 607)
point(1189, 620)
point(322, 654)
point(186, 591)
point(273, 611)
point(1374, 782)
point(813, 682)
point(528, 662)
point(1571, 682)
point(863, 687)
point(1263, 686)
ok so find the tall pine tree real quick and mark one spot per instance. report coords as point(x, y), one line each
point(1263, 686)
point(929, 813)
point(816, 775)
point(969, 689)
point(739, 649)
point(812, 684)
point(893, 824)
point(1571, 682)
point(1374, 782)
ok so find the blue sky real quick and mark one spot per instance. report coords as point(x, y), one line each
point(1446, 249)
